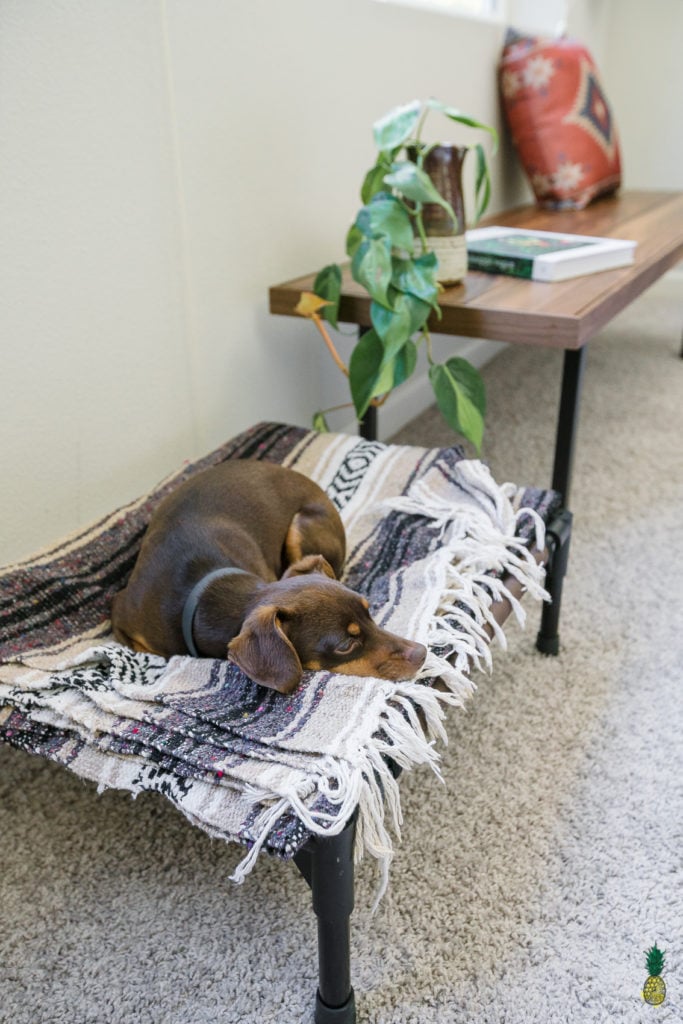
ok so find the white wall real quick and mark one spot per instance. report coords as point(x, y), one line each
point(164, 162)
point(643, 71)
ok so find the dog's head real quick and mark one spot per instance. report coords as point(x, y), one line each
point(308, 620)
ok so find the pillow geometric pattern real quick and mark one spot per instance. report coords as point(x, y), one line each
point(560, 120)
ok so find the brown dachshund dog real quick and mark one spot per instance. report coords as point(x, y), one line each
point(241, 561)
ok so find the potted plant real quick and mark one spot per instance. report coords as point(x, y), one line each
point(393, 257)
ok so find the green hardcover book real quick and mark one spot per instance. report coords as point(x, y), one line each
point(544, 255)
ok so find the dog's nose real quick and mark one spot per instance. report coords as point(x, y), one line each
point(416, 654)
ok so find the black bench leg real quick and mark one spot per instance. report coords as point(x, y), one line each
point(558, 538)
point(568, 420)
point(369, 425)
point(327, 866)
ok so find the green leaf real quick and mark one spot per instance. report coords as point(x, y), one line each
point(482, 185)
point(320, 423)
point(370, 374)
point(405, 363)
point(397, 370)
point(365, 370)
point(354, 238)
point(395, 127)
point(460, 396)
point(374, 179)
point(419, 312)
point(460, 118)
point(385, 379)
point(393, 326)
point(371, 267)
point(386, 215)
point(417, 277)
point(328, 286)
point(414, 183)
point(396, 325)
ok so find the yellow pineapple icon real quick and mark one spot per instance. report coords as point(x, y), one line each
point(654, 989)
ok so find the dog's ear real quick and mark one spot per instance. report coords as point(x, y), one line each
point(264, 651)
point(309, 564)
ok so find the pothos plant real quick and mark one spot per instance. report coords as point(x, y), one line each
point(390, 257)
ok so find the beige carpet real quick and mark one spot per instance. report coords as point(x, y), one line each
point(527, 886)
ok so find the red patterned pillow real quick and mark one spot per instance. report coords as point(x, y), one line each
point(561, 123)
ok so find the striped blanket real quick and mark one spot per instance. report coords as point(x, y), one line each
point(431, 538)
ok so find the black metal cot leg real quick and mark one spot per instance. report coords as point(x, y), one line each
point(558, 538)
point(327, 865)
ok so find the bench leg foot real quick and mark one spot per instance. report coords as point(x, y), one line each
point(558, 536)
point(327, 865)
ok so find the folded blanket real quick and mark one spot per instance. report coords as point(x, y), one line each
point(431, 539)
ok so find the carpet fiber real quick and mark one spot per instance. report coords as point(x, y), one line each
point(527, 886)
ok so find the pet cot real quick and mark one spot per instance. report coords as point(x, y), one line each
point(441, 552)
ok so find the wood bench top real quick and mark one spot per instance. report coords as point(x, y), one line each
point(563, 314)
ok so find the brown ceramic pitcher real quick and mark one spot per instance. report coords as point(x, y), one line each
point(444, 164)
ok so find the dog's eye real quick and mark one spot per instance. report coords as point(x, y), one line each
point(348, 645)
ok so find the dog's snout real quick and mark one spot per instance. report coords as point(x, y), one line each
point(416, 654)
point(406, 656)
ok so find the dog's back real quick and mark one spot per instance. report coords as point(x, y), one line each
point(243, 510)
point(253, 515)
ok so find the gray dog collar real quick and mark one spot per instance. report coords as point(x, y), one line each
point(190, 607)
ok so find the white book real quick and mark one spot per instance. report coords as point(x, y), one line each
point(544, 255)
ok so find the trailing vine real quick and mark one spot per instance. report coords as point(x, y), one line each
point(390, 257)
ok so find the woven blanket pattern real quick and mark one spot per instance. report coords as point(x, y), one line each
point(431, 538)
